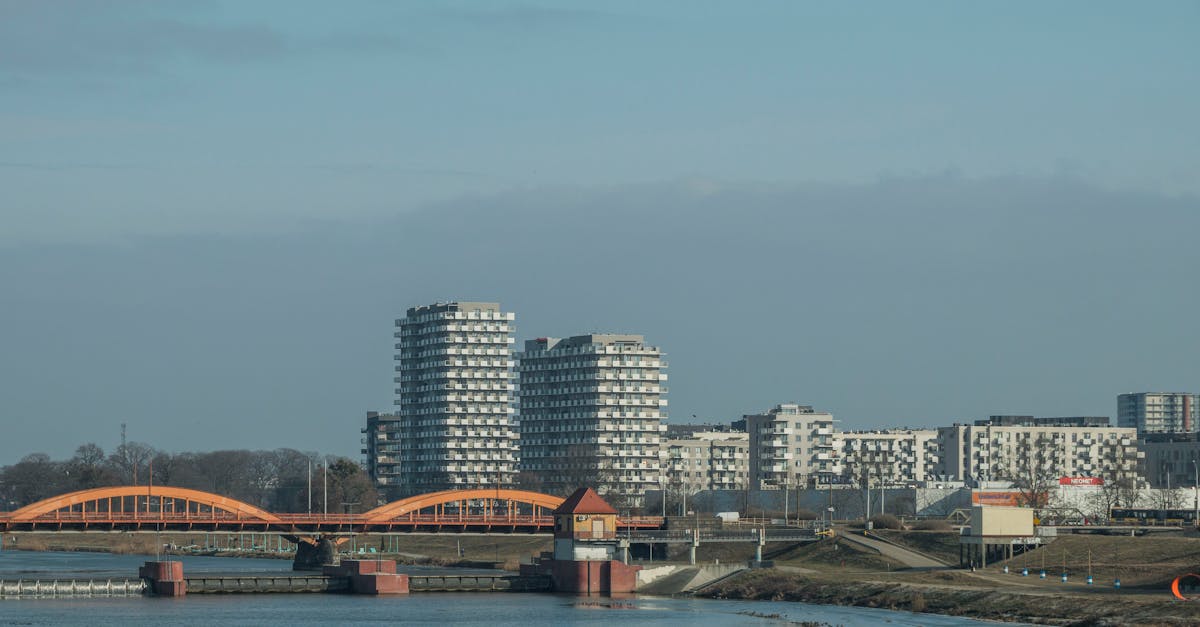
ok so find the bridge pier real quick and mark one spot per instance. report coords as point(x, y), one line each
point(313, 553)
point(164, 578)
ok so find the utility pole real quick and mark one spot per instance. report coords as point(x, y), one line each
point(325, 486)
point(1196, 492)
point(310, 485)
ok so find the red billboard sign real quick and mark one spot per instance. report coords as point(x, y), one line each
point(997, 499)
point(1088, 481)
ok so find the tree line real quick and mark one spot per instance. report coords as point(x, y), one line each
point(275, 480)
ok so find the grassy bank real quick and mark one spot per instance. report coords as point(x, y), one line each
point(993, 602)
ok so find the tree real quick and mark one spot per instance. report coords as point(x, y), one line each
point(1035, 468)
point(34, 478)
point(1172, 498)
point(348, 485)
point(1114, 494)
point(131, 462)
point(88, 468)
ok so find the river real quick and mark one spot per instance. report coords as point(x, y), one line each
point(488, 609)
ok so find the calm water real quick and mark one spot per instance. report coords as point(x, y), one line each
point(418, 609)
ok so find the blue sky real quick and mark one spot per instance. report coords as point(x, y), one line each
point(140, 134)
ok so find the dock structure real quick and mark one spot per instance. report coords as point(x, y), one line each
point(371, 577)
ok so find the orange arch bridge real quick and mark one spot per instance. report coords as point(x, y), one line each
point(168, 508)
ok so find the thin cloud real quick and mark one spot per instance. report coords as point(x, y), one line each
point(48, 41)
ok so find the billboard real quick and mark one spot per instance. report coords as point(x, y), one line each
point(1082, 481)
point(997, 499)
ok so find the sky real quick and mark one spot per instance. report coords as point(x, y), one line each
point(903, 213)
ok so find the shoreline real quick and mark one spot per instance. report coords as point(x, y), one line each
point(986, 602)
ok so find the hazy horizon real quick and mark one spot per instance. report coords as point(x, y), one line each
point(902, 214)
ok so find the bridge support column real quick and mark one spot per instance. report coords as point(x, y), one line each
point(313, 553)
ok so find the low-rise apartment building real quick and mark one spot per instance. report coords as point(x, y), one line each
point(792, 445)
point(1024, 448)
point(708, 460)
point(1172, 460)
point(889, 457)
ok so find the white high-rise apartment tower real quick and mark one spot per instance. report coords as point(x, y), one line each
point(456, 398)
point(592, 411)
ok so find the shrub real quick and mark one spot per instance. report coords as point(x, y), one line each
point(886, 521)
point(932, 525)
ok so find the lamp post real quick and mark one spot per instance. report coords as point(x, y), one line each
point(1196, 492)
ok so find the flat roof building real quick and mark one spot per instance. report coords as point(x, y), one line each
point(1159, 412)
point(455, 398)
point(592, 409)
point(792, 445)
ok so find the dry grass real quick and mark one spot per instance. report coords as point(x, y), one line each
point(1151, 561)
point(942, 545)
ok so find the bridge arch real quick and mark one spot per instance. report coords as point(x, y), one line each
point(113, 502)
point(516, 503)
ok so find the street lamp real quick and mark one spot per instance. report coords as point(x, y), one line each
point(1196, 492)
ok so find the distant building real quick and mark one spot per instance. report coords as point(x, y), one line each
point(889, 456)
point(455, 398)
point(1152, 412)
point(381, 452)
point(1027, 448)
point(708, 460)
point(792, 445)
point(1171, 459)
point(591, 413)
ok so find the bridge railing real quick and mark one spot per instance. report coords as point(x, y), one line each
point(60, 516)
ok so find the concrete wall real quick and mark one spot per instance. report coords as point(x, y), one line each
point(848, 503)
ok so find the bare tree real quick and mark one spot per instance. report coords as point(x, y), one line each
point(1035, 468)
point(131, 462)
point(88, 469)
point(1164, 498)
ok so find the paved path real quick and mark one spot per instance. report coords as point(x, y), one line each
point(904, 557)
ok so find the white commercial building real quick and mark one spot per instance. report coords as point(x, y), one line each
point(1036, 450)
point(591, 414)
point(792, 445)
point(1155, 412)
point(708, 460)
point(889, 457)
point(455, 398)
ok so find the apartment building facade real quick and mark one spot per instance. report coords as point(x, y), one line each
point(1158, 412)
point(455, 398)
point(381, 452)
point(592, 412)
point(1172, 460)
point(792, 445)
point(1011, 448)
point(888, 457)
point(708, 460)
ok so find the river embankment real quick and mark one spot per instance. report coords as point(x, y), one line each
point(960, 596)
